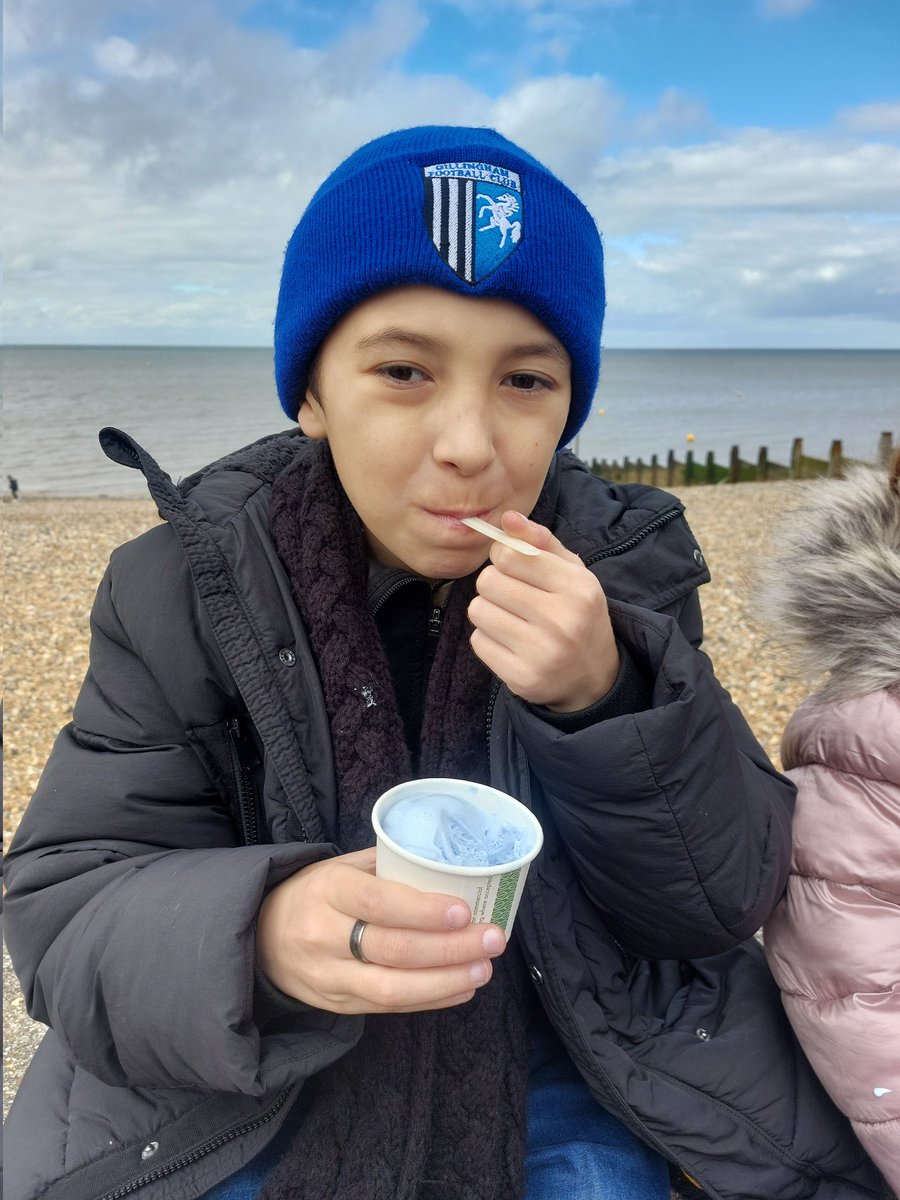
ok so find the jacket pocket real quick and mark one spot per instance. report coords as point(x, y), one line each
point(230, 757)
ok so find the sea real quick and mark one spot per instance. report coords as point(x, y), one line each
point(189, 406)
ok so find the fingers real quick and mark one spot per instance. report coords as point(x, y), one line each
point(519, 671)
point(511, 596)
point(367, 988)
point(408, 972)
point(555, 571)
point(541, 623)
point(519, 526)
point(404, 973)
point(420, 950)
point(381, 902)
point(409, 949)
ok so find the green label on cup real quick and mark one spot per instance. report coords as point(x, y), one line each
point(506, 893)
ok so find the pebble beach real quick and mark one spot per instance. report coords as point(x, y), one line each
point(55, 551)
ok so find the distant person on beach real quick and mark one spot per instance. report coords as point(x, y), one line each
point(13, 487)
point(833, 942)
point(238, 1006)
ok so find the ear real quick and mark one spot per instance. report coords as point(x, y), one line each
point(311, 417)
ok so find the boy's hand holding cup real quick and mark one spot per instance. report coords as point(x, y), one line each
point(422, 933)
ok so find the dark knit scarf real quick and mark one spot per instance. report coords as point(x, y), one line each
point(428, 1106)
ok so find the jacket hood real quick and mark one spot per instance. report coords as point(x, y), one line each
point(832, 592)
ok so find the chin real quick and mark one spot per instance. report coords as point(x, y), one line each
point(448, 566)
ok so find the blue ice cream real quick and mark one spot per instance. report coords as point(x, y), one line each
point(453, 830)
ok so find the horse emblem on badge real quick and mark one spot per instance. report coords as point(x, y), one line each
point(473, 211)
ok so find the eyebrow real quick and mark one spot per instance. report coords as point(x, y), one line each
point(397, 334)
point(540, 350)
point(421, 341)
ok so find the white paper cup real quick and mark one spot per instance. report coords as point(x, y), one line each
point(492, 893)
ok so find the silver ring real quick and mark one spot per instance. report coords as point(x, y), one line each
point(356, 941)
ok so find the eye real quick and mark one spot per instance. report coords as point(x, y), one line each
point(401, 373)
point(527, 381)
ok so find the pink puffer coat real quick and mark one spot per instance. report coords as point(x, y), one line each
point(834, 941)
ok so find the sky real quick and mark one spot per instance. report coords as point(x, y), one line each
point(741, 157)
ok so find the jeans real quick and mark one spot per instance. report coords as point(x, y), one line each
point(576, 1150)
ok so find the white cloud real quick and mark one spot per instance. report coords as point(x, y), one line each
point(801, 267)
point(153, 181)
point(118, 56)
point(762, 238)
point(677, 113)
point(564, 120)
point(395, 26)
point(128, 186)
point(754, 170)
point(43, 26)
point(871, 118)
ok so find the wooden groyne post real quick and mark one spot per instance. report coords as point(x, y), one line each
point(797, 458)
point(690, 472)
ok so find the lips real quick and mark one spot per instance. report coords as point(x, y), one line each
point(451, 516)
point(459, 512)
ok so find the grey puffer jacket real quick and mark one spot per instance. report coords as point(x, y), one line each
point(159, 824)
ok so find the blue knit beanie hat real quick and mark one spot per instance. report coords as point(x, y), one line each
point(454, 208)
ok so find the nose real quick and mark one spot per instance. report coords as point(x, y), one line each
point(464, 434)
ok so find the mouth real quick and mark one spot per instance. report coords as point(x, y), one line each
point(450, 517)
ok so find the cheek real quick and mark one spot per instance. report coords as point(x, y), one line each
point(375, 432)
point(534, 454)
point(358, 443)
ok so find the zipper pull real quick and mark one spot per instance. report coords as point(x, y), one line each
point(435, 621)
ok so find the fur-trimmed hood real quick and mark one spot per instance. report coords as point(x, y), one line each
point(831, 593)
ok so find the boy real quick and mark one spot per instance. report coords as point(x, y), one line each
point(192, 904)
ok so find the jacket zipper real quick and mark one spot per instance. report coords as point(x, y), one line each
point(492, 700)
point(435, 623)
point(245, 794)
point(195, 1155)
point(671, 514)
point(382, 599)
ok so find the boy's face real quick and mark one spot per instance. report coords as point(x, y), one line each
point(438, 406)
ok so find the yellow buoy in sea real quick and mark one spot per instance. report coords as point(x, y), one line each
point(601, 412)
point(689, 438)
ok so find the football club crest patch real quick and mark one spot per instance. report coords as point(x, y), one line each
point(473, 211)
